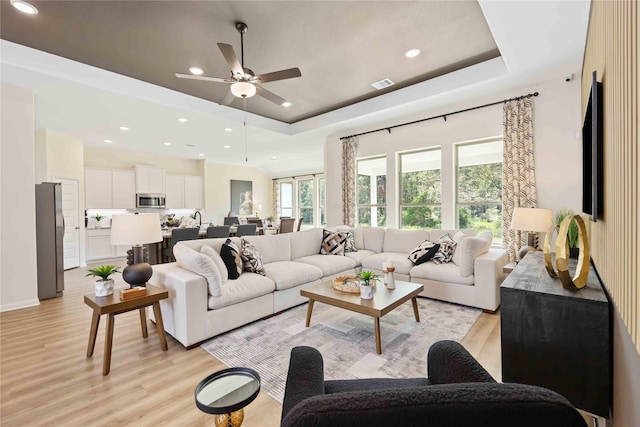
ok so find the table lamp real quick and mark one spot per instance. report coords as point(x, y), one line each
point(136, 230)
point(533, 221)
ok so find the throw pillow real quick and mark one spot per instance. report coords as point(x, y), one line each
point(445, 251)
point(194, 261)
point(230, 255)
point(251, 258)
point(332, 243)
point(458, 238)
point(423, 252)
point(471, 248)
point(215, 257)
point(349, 242)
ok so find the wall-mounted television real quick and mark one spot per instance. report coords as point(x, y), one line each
point(592, 153)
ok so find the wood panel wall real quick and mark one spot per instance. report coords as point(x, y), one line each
point(612, 51)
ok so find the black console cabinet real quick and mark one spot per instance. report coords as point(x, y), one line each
point(556, 338)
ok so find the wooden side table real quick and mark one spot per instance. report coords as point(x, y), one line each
point(112, 305)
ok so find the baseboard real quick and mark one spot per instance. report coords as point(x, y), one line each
point(19, 305)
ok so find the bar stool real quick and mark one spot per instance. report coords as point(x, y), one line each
point(218, 231)
point(179, 235)
point(246, 230)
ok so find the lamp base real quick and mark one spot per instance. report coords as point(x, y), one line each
point(523, 251)
point(137, 274)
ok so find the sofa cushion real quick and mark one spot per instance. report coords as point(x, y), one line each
point(373, 239)
point(423, 252)
point(305, 243)
point(217, 259)
point(230, 254)
point(403, 241)
point(276, 247)
point(246, 287)
point(472, 247)
point(446, 250)
point(332, 243)
point(400, 262)
point(288, 274)
point(251, 258)
point(201, 264)
point(329, 264)
point(447, 273)
point(359, 256)
point(434, 235)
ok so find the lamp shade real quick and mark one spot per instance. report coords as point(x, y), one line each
point(135, 229)
point(243, 89)
point(532, 219)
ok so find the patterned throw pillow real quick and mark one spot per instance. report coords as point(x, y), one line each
point(446, 250)
point(349, 242)
point(423, 252)
point(332, 243)
point(251, 258)
point(230, 254)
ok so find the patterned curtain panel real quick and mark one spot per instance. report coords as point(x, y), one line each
point(349, 172)
point(275, 201)
point(518, 174)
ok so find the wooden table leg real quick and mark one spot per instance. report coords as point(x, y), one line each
point(160, 325)
point(108, 340)
point(95, 322)
point(378, 342)
point(309, 311)
point(414, 301)
point(143, 322)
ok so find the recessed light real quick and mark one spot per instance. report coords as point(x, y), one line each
point(182, 120)
point(167, 143)
point(412, 53)
point(227, 146)
point(124, 128)
point(24, 7)
point(108, 141)
point(196, 70)
point(201, 154)
point(228, 129)
point(273, 158)
point(286, 104)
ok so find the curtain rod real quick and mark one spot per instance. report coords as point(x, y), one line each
point(298, 176)
point(444, 116)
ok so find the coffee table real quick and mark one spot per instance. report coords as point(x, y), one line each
point(384, 300)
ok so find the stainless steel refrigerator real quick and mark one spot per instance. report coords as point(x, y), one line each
point(49, 237)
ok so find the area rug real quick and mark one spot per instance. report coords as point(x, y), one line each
point(346, 341)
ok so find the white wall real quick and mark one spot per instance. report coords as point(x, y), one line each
point(113, 158)
point(558, 149)
point(18, 266)
point(217, 185)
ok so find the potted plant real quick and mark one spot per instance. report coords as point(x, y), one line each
point(368, 280)
point(572, 232)
point(104, 286)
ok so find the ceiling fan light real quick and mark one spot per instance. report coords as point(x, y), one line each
point(243, 89)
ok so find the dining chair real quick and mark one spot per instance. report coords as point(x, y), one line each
point(258, 223)
point(218, 231)
point(231, 220)
point(287, 224)
point(246, 230)
point(178, 235)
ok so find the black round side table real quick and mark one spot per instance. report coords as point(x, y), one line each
point(225, 394)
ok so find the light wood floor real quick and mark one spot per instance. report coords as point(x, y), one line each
point(46, 379)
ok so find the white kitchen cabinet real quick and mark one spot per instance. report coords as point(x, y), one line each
point(150, 180)
point(174, 186)
point(183, 192)
point(99, 244)
point(124, 189)
point(193, 192)
point(98, 189)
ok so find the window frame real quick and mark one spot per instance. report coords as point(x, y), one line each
point(372, 206)
point(401, 205)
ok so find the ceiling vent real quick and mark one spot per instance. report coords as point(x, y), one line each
point(382, 84)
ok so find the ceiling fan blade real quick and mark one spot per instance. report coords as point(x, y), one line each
point(231, 58)
point(206, 78)
point(269, 95)
point(278, 75)
point(228, 99)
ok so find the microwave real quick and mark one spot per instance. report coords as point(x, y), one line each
point(150, 201)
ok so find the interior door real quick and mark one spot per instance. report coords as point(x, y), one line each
point(71, 214)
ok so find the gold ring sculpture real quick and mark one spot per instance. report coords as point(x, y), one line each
point(579, 280)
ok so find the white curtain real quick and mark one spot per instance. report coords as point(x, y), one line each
point(518, 172)
point(349, 173)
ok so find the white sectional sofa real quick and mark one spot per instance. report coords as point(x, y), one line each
point(292, 261)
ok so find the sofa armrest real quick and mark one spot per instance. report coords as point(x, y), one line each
point(488, 276)
point(305, 378)
point(449, 362)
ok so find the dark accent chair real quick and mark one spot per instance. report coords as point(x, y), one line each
point(178, 235)
point(246, 230)
point(458, 392)
point(287, 224)
point(231, 220)
point(299, 224)
point(218, 231)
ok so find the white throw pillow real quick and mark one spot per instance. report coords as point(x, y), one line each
point(201, 264)
point(458, 238)
point(215, 256)
point(470, 249)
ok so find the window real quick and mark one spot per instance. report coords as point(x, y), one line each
point(479, 187)
point(286, 199)
point(305, 201)
point(322, 202)
point(371, 188)
point(421, 190)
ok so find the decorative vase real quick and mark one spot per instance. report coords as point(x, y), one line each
point(366, 291)
point(104, 287)
point(389, 280)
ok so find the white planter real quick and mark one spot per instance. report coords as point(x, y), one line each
point(104, 287)
point(366, 292)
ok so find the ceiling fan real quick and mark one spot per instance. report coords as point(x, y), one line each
point(244, 82)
